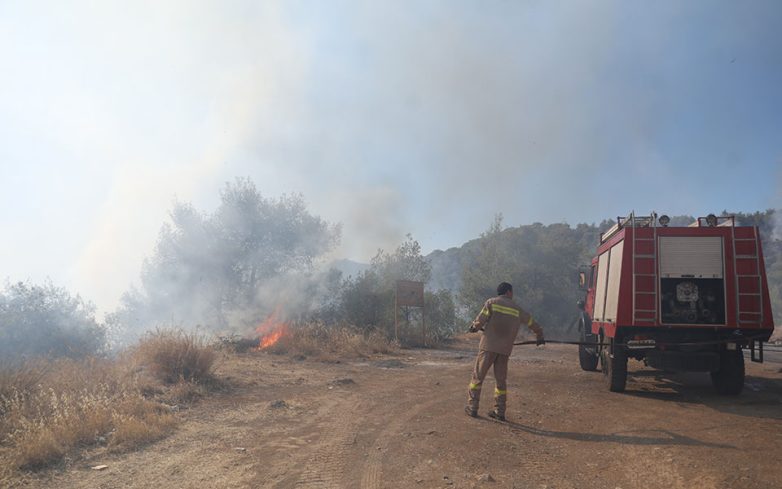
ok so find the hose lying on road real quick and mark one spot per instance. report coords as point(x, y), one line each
point(700, 343)
point(557, 342)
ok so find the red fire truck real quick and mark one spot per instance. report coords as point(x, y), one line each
point(679, 298)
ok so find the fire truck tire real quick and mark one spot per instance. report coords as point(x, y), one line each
point(729, 379)
point(587, 356)
point(615, 367)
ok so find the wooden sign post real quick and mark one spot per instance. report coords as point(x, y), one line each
point(409, 294)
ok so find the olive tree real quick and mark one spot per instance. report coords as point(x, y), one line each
point(214, 269)
point(46, 320)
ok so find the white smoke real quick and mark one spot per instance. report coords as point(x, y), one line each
point(391, 117)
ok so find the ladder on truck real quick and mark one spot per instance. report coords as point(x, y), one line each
point(750, 284)
point(649, 248)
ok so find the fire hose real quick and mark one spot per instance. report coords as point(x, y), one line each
point(699, 343)
point(557, 342)
point(656, 344)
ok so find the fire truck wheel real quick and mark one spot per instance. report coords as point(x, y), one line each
point(729, 379)
point(614, 360)
point(587, 355)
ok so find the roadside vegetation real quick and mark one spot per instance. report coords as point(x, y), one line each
point(174, 356)
point(51, 409)
point(325, 343)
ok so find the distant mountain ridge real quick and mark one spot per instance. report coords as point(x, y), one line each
point(349, 268)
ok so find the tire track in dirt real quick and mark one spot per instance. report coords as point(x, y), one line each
point(372, 473)
point(325, 469)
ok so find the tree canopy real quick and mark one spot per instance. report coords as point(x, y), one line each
point(38, 320)
point(211, 269)
point(367, 300)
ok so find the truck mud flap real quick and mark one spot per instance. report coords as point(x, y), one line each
point(756, 352)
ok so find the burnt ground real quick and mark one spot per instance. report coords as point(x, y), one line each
point(397, 421)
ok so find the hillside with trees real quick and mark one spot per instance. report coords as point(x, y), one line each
point(227, 270)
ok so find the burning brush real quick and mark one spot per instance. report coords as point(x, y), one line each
point(271, 329)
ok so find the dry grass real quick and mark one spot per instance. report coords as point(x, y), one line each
point(51, 409)
point(175, 356)
point(14, 377)
point(73, 404)
point(333, 342)
point(184, 393)
point(235, 343)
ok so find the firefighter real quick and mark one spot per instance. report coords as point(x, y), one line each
point(499, 320)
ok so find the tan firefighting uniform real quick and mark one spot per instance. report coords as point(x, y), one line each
point(500, 320)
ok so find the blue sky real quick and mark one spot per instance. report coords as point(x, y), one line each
point(389, 117)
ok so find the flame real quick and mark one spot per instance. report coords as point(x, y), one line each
point(273, 338)
point(271, 329)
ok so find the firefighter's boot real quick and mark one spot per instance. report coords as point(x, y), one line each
point(495, 415)
point(500, 398)
point(473, 398)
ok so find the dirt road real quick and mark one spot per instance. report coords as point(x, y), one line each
point(397, 421)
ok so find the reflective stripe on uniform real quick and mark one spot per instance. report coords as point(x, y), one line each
point(498, 392)
point(475, 387)
point(505, 310)
point(484, 311)
point(529, 323)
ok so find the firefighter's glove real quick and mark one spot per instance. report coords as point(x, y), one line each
point(540, 341)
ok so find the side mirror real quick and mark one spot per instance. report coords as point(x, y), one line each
point(582, 280)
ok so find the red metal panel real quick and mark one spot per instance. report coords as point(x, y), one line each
point(645, 266)
point(730, 282)
point(746, 248)
point(746, 266)
point(644, 283)
point(647, 315)
point(749, 303)
point(624, 310)
point(645, 301)
point(749, 285)
point(644, 247)
point(644, 233)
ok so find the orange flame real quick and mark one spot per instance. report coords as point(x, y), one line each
point(273, 338)
point(271, 329)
